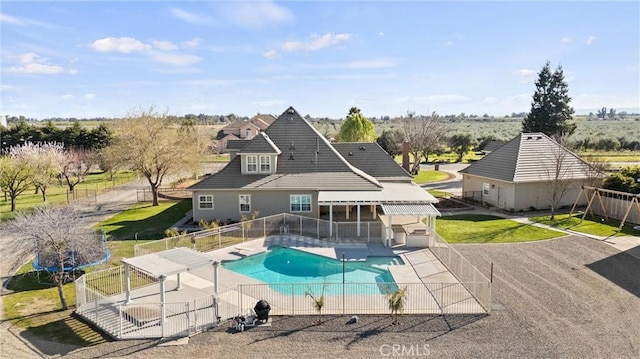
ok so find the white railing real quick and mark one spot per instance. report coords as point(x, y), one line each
point(224, 236)
point(468, 275)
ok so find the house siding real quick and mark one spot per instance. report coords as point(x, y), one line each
point(266, 203)
point(501, 193)
point(538, 196)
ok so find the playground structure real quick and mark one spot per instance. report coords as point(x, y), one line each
point(610, 204)
point(74, 261)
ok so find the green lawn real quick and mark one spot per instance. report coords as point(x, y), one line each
point(479, 228)
point(426, 176)
point(148, 221)
point(437, 193)
point(36, 306)
point(590, 225)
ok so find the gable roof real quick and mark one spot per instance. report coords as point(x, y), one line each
point(236, 144)
point(306, 160)
point(372, 159)
point(260, 144)
point(530, 157)
point(493, 145)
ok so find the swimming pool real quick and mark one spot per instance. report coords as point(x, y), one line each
point(281, 265)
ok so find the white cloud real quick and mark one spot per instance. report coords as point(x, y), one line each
point(316, 42)
point(73, 71)
point(67, 97)
point(381, 33)
point(191, 18)
point(257, 14)
point(590, 40)
point(525, 75)
point(4, 18)
point(164, 45)
point(89, 96)
point(31, 63)
point(174, 59)
point(271, 54)
point(490, 100)
point(195, 42)
point(119, 44)
point(565, 40)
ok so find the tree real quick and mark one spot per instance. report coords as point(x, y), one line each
point(147, 142)
point(391, 142)
point(602, 113)
point(550, 111)
point(461, 144)
point(612, 114)
point(356, 128)
point(425, 135)
point(46, 161)
point(558, 170)
point(396, 302)
point(318, 300)
point(76, 165)
point(626, 180)
point(59, 234)
point(15, 177)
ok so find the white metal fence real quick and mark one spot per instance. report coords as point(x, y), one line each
point(224, 236)
point(476, 283)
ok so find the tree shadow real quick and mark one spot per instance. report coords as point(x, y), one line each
point(151, 227)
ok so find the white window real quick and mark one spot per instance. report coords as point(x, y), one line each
point(485, 189)
point(300, 202)
point(252, 163)
point(245, 203)
point(265, 164)
point(248, 133)
point(205, 202)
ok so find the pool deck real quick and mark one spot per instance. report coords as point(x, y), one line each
point(421, 266)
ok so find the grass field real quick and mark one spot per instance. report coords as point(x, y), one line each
point(36, 306)
point(590, 225)
point(428, 176)
point(479, 228)
point(58, 194)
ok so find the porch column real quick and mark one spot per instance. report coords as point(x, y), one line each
point(347, 209)
point(389, 232)
point(215, 276)
point(163, 315)
point(179, 282)
point(358, 221)
point(330, 220)
point(127, 284)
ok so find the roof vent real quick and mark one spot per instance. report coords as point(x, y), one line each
point(350, 153)
point(529, 138)
point(291, 110)
point(362, 148)
point(292, 147)
point(291, 156)
point(539, 138)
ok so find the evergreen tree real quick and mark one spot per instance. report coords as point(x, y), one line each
point(550, 111)
point(356, 128)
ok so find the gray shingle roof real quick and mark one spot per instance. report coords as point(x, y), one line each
point(236, 144)
point(261, 143)
point(529, 157)
point(372, 159)
point(307, 160)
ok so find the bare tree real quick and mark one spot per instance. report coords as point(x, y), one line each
point(15, 177)
point(76, 165)
point(425, 135)
point(560, 169)
point(149, 143)
point(46, 161)
point(60, 239)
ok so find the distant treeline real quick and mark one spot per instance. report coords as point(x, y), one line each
point(74, 136)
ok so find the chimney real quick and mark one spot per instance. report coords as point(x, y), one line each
point(405, 156)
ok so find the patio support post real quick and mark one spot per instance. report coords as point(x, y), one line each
point(330, 220)
point(389, 232)
point(358, 220)
point(215, 276)
point(127, 283)
point(179, 282)
point(163, 314)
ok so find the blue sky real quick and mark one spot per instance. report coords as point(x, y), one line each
point(106, 58)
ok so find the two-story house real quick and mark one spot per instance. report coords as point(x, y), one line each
point(243, 130)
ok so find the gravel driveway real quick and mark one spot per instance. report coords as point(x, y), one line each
point(570, 297)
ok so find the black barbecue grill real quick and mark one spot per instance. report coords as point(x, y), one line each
point(262, 310)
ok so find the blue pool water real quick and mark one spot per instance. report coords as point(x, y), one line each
point(281, 267)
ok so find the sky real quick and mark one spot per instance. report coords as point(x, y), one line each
point(88, 59)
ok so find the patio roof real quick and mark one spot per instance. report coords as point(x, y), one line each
point(410, 210)
point(172, 261)
point(392, 192)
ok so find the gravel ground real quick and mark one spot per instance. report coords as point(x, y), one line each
point(570, 297)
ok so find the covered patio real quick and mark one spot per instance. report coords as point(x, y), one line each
point(405, 209)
